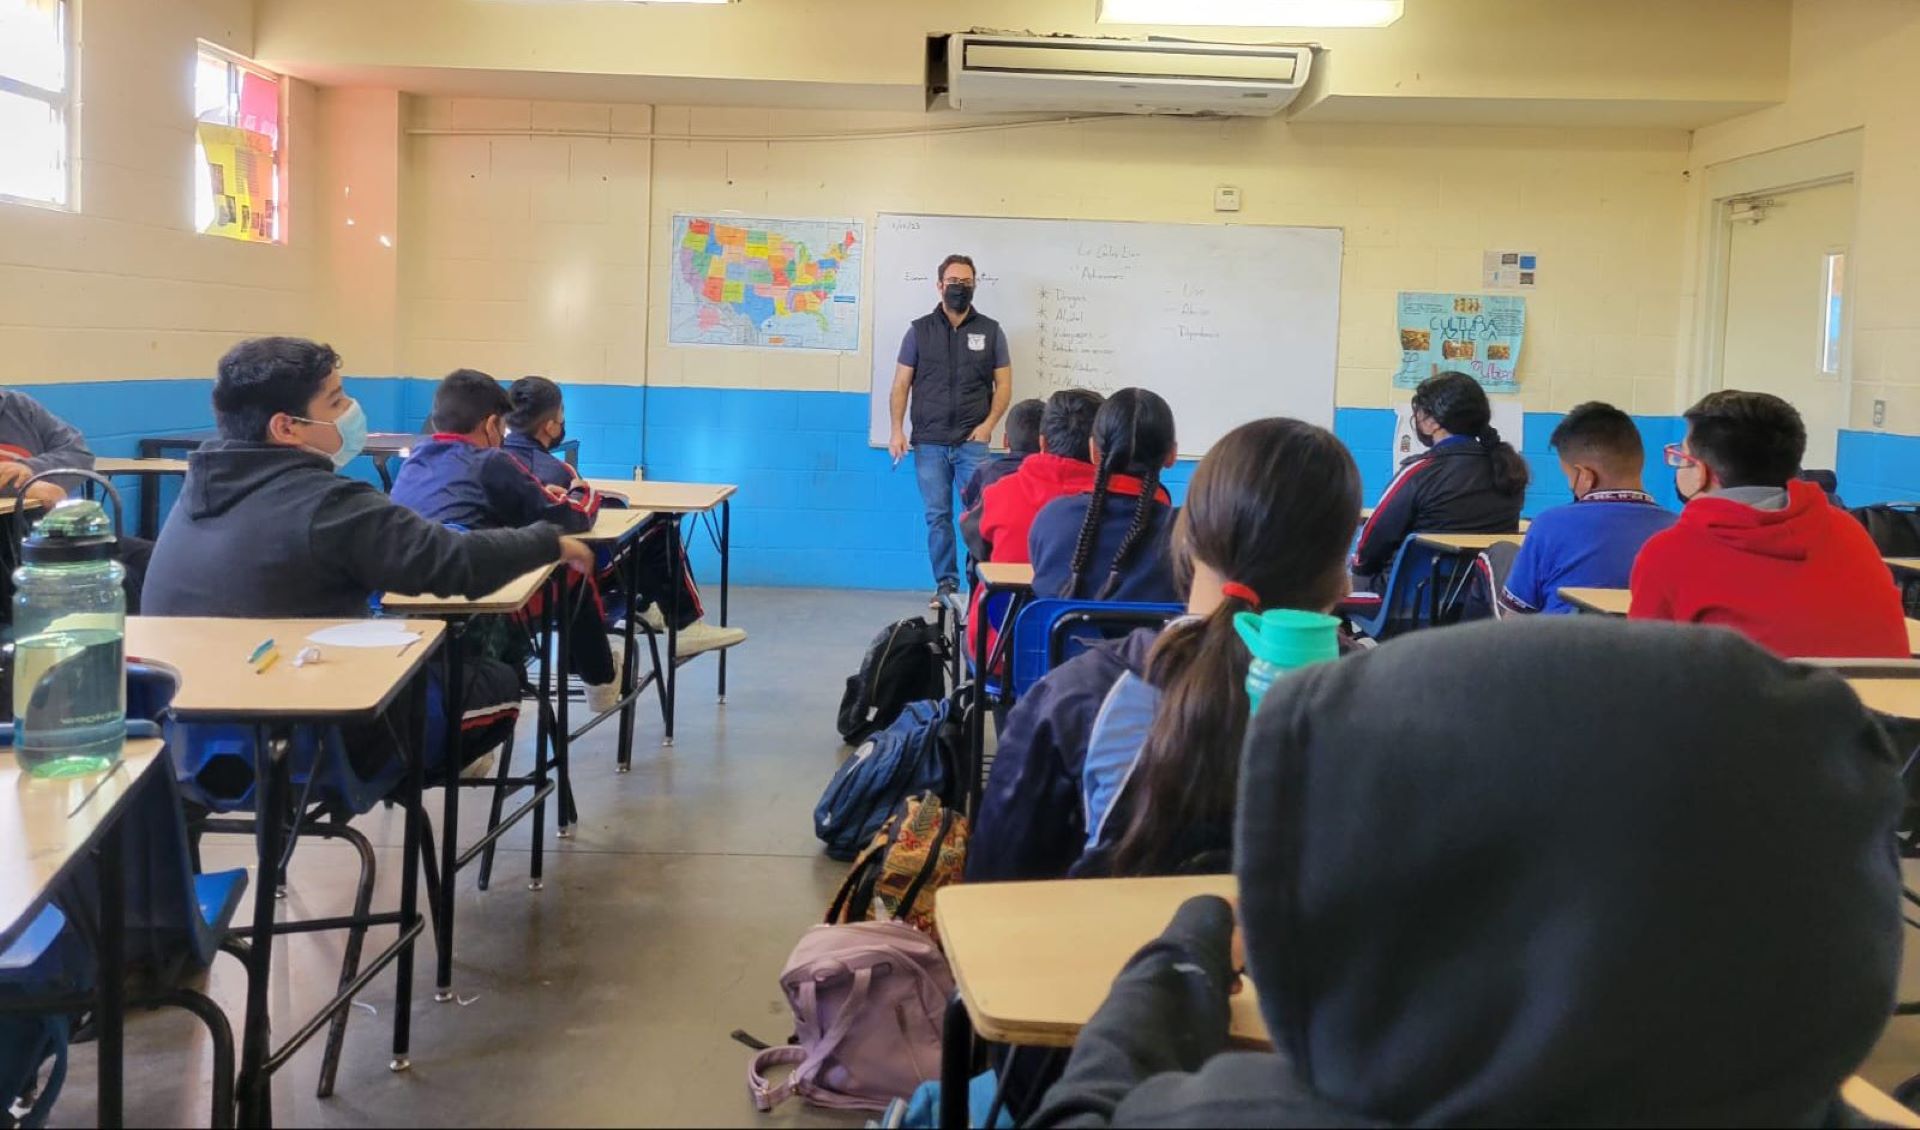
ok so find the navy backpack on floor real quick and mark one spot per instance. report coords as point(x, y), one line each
point(916, 754)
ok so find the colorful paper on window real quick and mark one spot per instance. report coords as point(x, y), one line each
point(240, 178)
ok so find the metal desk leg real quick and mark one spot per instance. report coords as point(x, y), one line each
point(112, 959)
point(256, 1095)
point(629, 670)
point(956, 1065)
point(453, 697)
point(726, 571)
point(542, 748)
point(977, 725)
point(563, 702)
point(150, 506)
point(410, 885)
point(681, 573)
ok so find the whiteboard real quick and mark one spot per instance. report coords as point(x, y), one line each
point(1229, 324)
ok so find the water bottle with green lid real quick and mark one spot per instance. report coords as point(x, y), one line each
point(1283, 640)
point(70, 626)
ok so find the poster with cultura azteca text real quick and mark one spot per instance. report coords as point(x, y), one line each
point(1476, 334)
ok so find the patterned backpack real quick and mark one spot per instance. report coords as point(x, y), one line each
point(921, 848)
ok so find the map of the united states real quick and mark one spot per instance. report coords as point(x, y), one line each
point(777, 283)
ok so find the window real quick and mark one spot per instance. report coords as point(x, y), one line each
point(237, 176)
point(1836, 310)
point(36, 100)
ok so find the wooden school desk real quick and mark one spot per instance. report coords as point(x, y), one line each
point(995, 578)
point(51, 828)
point(348, 685)
point(149, 472)
point(458, 612)
point(1034, 961)
point(620, 531)
point(1453, 564)
point(1603, 602)
point(1615, 602)
point(681, 500)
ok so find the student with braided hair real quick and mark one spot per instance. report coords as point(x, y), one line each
point(1469, 480)
point(1112, 543)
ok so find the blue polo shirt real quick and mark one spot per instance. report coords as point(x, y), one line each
point(1587, 544)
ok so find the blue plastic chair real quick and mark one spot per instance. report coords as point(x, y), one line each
point(176, 923)
point(1402, 606)
point(214, 769)
point(1047, 633)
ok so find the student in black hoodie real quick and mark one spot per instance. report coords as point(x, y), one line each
point(1544, 910)
point(266, 527)
point(1468, 481)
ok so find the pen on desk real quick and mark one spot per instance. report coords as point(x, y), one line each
point(404, 647)
point(266, 645)
point(272, 658)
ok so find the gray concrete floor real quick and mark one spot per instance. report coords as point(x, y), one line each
point(608, 998)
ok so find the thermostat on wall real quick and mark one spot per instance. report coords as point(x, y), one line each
point(1226, 198)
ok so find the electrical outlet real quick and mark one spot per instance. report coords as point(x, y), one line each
point(1879, 413)
point(1226, 198)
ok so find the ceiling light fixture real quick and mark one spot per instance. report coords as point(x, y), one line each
point(1253, 13)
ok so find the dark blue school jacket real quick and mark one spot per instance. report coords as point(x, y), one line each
point(1032, 822)
point(1147, 576)
point(545, 465)
point(452, 481)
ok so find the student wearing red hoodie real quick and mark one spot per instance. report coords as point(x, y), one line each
point(996, 530)
point(1757, 550)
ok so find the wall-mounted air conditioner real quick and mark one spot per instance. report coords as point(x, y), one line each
point(1127, 76)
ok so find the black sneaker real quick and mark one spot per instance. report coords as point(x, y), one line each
point(940, 595)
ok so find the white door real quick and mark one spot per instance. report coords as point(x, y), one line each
point(1786, 306)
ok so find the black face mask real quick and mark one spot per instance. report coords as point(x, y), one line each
point(559, 438)
point(958, 296)
point(1684, 496)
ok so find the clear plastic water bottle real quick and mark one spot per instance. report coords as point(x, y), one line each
point(1283, 640)
point(69, 658)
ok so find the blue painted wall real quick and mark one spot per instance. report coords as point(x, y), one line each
point(817, 506)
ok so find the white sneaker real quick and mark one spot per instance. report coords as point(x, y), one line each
point(700, 637)
point(604, 697)
point(479, 768)
point(653, 619)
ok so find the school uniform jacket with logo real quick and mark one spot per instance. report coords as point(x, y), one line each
point(482, 488)
point(1446, 489)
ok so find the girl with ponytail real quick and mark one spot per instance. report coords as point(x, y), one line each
point(1156, 720)
point(1469, 480)
point(1112, 543)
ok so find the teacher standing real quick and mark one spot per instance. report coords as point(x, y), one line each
point(957, 374)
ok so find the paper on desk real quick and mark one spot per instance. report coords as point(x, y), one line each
point(365, 633)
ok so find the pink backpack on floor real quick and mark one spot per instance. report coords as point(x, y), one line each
point(868, 999)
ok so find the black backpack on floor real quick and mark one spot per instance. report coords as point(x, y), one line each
point(903, 664)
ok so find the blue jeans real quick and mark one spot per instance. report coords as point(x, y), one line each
point(942, 470)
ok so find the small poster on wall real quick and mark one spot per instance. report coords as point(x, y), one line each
point(1476, 334)
point(1508, 419)
point(1510, 270)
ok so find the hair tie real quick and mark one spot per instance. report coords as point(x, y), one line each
point(1240, 592)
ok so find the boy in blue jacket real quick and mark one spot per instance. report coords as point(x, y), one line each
point(538, 424)
point(1591, 542)
point(463, 477)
